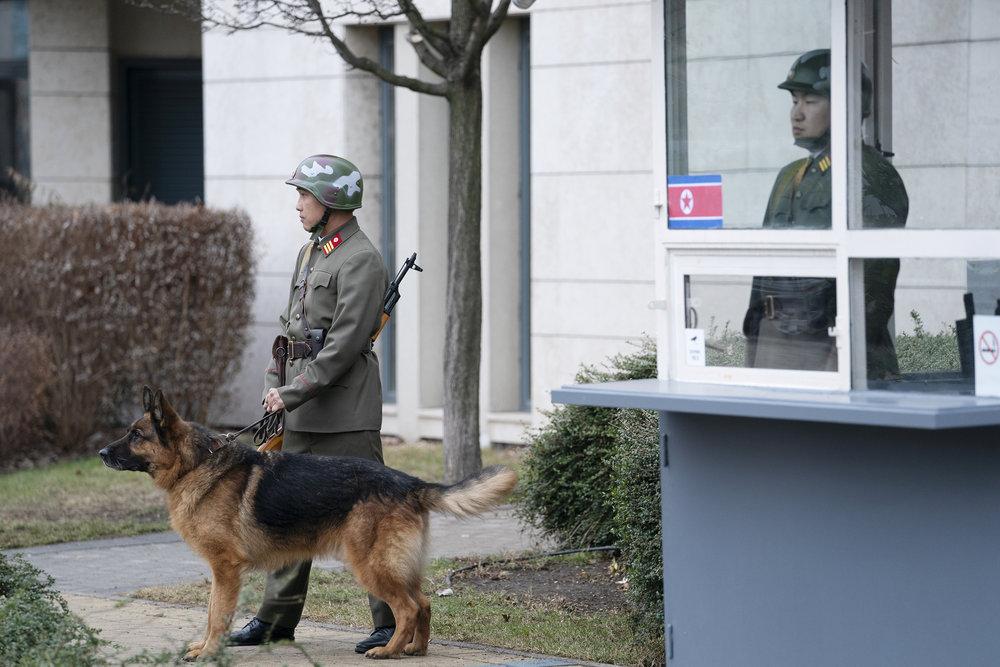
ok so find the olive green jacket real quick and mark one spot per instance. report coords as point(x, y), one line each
point(807, 205)
point(339, 390)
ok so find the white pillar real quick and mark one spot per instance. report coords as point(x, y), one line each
point(70, 89)
point(421, 219)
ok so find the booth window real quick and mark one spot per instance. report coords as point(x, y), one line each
point(775, 322)
point(932, 114)
point(731, 111)
point(866, 130)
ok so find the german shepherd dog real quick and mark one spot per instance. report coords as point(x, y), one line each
point(241, 509)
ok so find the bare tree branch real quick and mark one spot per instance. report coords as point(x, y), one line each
point(433, 61)
point(496, 20)
point(480, 33)
point(481, 7)
point(369, 65)
point(437, 39)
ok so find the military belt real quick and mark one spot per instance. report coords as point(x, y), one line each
point(302, 349)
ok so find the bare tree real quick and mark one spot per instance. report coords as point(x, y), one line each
point(454, 53)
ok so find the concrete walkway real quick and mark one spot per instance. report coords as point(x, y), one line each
point(120, 566)
point(96, 576)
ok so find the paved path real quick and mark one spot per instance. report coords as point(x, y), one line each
point(169, 628)
point(96, 576)
point(120, 566)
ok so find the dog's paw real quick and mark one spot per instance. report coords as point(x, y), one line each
point(413, 648)
point(380, 653)
point(196, 646)
point(192, 654)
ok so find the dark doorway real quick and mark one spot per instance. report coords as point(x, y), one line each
point(162, 145)
point(14, 156)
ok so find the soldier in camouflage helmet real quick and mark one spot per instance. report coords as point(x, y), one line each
point(787, 322)
point(333, 400)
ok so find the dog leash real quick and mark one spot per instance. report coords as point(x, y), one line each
point(263, 429)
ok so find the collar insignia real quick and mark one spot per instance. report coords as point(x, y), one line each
point(330, 244)
point(824, 163)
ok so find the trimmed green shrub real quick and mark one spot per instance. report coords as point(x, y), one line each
point(118, 296)
point(924, 352)
point(635, 501)
point(564, 489)
point(36, 626)
point(592, 478)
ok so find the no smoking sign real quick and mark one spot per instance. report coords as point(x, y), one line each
point(986, 332)
point(988, 347)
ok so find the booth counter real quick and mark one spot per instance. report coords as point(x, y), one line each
point(824, 528)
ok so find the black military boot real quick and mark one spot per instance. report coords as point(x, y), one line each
point(260, 632)
point(380, 637)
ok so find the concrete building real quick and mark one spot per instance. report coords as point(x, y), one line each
point(107, 100)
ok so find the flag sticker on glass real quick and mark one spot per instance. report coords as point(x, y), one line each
point(694, 202)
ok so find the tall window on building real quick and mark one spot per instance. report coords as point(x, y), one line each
point(161, 136)
point(387, 123)
point(524, 191)
point(14, 138)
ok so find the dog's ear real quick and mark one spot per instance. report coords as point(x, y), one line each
point(164, 417)
point(147, 398)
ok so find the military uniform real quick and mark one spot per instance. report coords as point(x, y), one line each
point(333, 397)
point(787, 321)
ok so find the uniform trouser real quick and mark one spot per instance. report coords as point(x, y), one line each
point(804, 352)
point(285, 593)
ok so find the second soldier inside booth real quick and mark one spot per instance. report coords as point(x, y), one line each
point(788, 319)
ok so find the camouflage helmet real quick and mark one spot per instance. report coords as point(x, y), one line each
point(811, 73)
point(332, 180)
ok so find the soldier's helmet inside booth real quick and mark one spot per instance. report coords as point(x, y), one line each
point(811, 73)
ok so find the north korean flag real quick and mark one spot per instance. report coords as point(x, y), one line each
point(694, 202)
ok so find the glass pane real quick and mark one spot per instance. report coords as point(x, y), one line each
point(927, 345)
point(764, 321)
point(748, 110)
point(13, 30)
point(936, 98)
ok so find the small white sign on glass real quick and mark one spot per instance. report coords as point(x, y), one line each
point(694, 346)
point(986, 350)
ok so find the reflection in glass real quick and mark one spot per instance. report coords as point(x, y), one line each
point(937, 99)
point(790, 329)
point(801, 199)
point(932, 331)
point(723, 61)
point(801, 195)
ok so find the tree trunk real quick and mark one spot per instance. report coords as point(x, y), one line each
point(464, 296)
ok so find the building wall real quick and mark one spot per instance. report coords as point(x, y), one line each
point(70, 86)
point(74, 87)
point(592, 191)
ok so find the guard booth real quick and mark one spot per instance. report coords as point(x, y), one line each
point(827, 338)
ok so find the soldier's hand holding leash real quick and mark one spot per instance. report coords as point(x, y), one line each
point(272, 401)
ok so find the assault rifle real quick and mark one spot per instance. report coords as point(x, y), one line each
point(392, 292)
point(270, 431)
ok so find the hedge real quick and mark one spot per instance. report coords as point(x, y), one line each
point(569, 463)
point(99, 300)
point(635, 499)
point(592, 478)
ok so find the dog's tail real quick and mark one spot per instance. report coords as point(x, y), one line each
point(473, 495)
